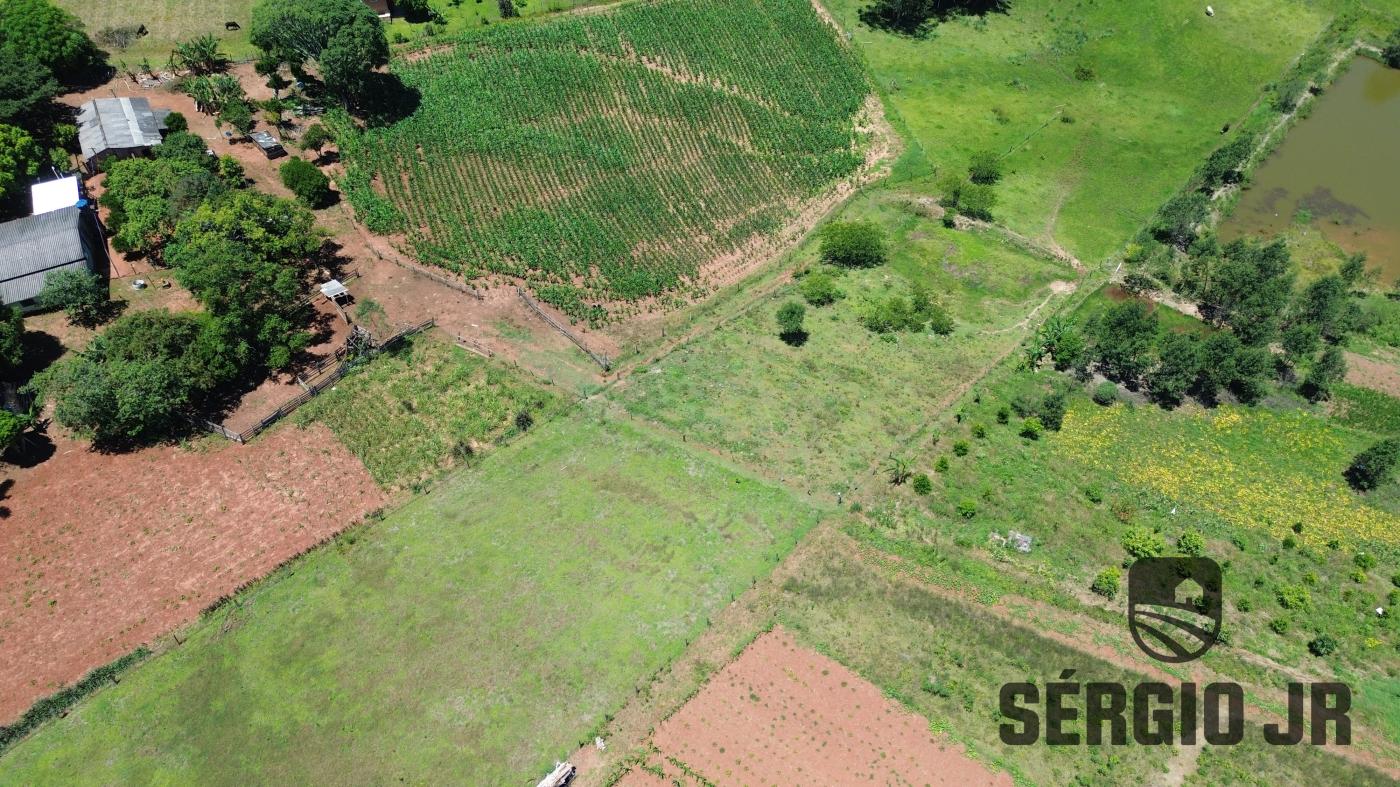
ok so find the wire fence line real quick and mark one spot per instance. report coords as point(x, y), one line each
point(601, 360)
point(327, 373)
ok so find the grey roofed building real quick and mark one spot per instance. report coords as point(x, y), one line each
point(118, 127)
point(33, 247)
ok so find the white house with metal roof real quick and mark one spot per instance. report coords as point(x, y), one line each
point(118, 127)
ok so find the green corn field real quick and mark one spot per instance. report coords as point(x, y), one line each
point(604, 158)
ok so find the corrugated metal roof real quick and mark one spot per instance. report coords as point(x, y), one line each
point(33, 246)
point(264, 140)
point(118, 124)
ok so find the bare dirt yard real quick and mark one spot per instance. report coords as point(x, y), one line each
point(100, 553)
point(784, 714)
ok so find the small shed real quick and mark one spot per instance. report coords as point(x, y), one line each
point(54, 195)
point(33, 247)
point(121, 127)
point(268, 144)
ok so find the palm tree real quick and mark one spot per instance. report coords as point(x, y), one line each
point(898, 469)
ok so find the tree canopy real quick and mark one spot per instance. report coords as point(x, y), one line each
point(1123, 337)
point(147, 197)
point(853, 244)
point(80, 293)
point(1390, 53)
point(26, 87)
point(137, 379)
point(1250, 287)
point(19, 161)
point(310, 184)
point(243, 257)
point(49, 35)
point(343, 37)
point(11, 338)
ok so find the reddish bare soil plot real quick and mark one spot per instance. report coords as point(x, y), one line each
point(784, 714)
point(100, 553)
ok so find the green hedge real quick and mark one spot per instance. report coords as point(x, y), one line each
point(57, 704)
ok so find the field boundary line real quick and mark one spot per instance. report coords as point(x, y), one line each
point(601, 360)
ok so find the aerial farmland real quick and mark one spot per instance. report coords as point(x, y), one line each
point(700, 392)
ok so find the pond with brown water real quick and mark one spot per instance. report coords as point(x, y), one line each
point(1338, 169)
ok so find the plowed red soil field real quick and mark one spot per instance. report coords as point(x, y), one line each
point(783, 714)
point(100, 553)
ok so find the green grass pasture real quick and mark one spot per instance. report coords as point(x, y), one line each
point(482, 630)
point(1103, 109)
point(820, 415)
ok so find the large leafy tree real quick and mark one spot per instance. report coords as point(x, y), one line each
point(19, 161)
point(1327, 305)
point(1250, 287)
point(1390, 53)
point(80, 293)
point(147, 197)
point(342, 37)
point(1123, 337)
point(26, 87)
point(136, 380)
point(351, 56)
point(11, 339)
point(244, 258)
point(1330, 369)
point(1179, 362)
point(48, 35)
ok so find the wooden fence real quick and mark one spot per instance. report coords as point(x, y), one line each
point(601, 360)
point(323, 379)
point(431, 276)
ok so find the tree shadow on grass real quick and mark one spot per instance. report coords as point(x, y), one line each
point(916, 18)
point(387, 100)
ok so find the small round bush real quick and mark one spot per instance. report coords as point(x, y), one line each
point(967, 508)
point(1322, 645)
point(307, 182)
point(941, 465)
point(976, 200)
point(979, 431)
point(1395, 580)
point(922, 484)
point(1003, 415)
point(1105, 393)
point(1031, 428)
point(819, 289)
point(985, 167)
point(1191, 543)
point(1140, 542)
point(1364, 561)
point(961, 447)
point(1094, 494)
point(1279, 626)
point(853, 244)
point(1106, 582)
point(1293, 597)
point(1244, 604)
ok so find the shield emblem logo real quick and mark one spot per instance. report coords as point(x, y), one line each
point(1174, 606)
